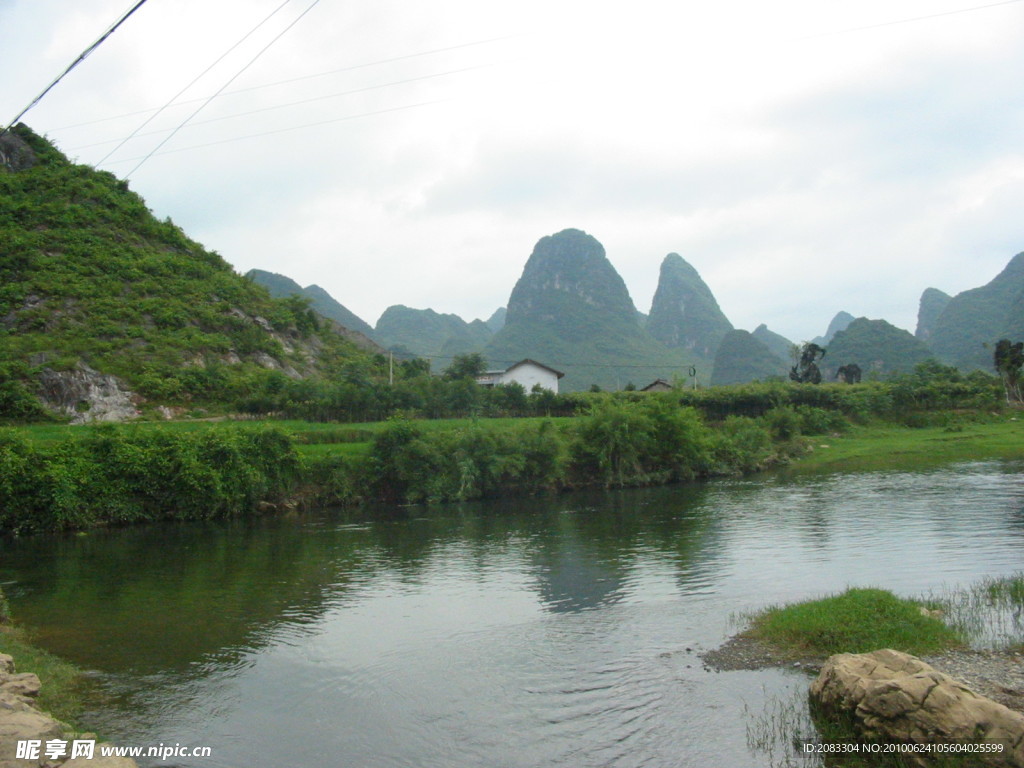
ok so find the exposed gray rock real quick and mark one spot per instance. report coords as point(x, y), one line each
point(86, 395)
point(15, 154)
point(896, 697)
point(25, 685)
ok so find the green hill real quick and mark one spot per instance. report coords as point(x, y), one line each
point(684, 313)
point(571, 310)
point(933, 303)
point(430, 334)
point(878, 347)
point(281, 286)
point(839, 323)
point(979, 317)
point(95, 292)
point(742, 358)
point(777, 344)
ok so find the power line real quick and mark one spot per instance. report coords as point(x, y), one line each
point(81, 57)
point(284, 106)
point(279, 130)
point(231, 80)
point(350, 68)
point(156, 114)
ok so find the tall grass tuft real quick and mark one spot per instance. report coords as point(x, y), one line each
point(857, 621)
point(990, 613)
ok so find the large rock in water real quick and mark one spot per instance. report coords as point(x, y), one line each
point(896, 697)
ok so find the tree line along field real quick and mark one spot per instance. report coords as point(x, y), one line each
point(55, 476)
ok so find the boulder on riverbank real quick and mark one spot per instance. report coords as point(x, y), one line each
point(22, 721)
point(895, 697)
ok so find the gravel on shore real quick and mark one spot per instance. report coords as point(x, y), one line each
point(999, 675)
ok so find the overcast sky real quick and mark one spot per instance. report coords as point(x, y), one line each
point(805, 156)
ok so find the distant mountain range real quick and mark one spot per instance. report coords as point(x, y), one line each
point(93, 282)
point(571, 310)
point(963, 325)
point(320, 300)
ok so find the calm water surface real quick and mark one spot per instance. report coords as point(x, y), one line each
point(554, 632)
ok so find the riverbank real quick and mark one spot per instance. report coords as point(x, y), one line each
point(75, 478)
point(998, 675)
point(887, 446)
point(29, 736)
point(803, 635)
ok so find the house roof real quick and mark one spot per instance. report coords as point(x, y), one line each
point(525, 360)
point(657, 383)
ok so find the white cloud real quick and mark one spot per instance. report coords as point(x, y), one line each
point(803, 168)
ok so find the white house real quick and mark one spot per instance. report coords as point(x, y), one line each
point(526, 372)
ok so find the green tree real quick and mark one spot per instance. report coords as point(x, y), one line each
point(1009, 360)
point(466, 367)
point(849, 373)
point(806, 370)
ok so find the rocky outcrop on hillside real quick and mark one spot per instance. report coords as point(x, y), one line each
point(22, 721)
point(86, 395)
point(895, 697)
point(15, 154)
point(684, 312)
point(933, 302)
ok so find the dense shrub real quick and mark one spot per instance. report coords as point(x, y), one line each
point(411, 465)
point(625, 442)
point(117, 475)
point(740, 445)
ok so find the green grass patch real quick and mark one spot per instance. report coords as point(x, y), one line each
point(317, 450)
point(893, 447)
point(63, 683)
point(857, 621)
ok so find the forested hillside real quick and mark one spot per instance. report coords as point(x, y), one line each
point(96, 291)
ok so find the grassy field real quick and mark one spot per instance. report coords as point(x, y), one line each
point(880, 446)
point(314, 439)
point(888, 446)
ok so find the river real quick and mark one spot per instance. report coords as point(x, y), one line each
point(561, 631)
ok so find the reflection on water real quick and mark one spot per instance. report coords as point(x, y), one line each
point(560, 631)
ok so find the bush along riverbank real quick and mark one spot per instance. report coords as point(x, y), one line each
point(117, 475)
point(616, 444)
point(55, 477)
